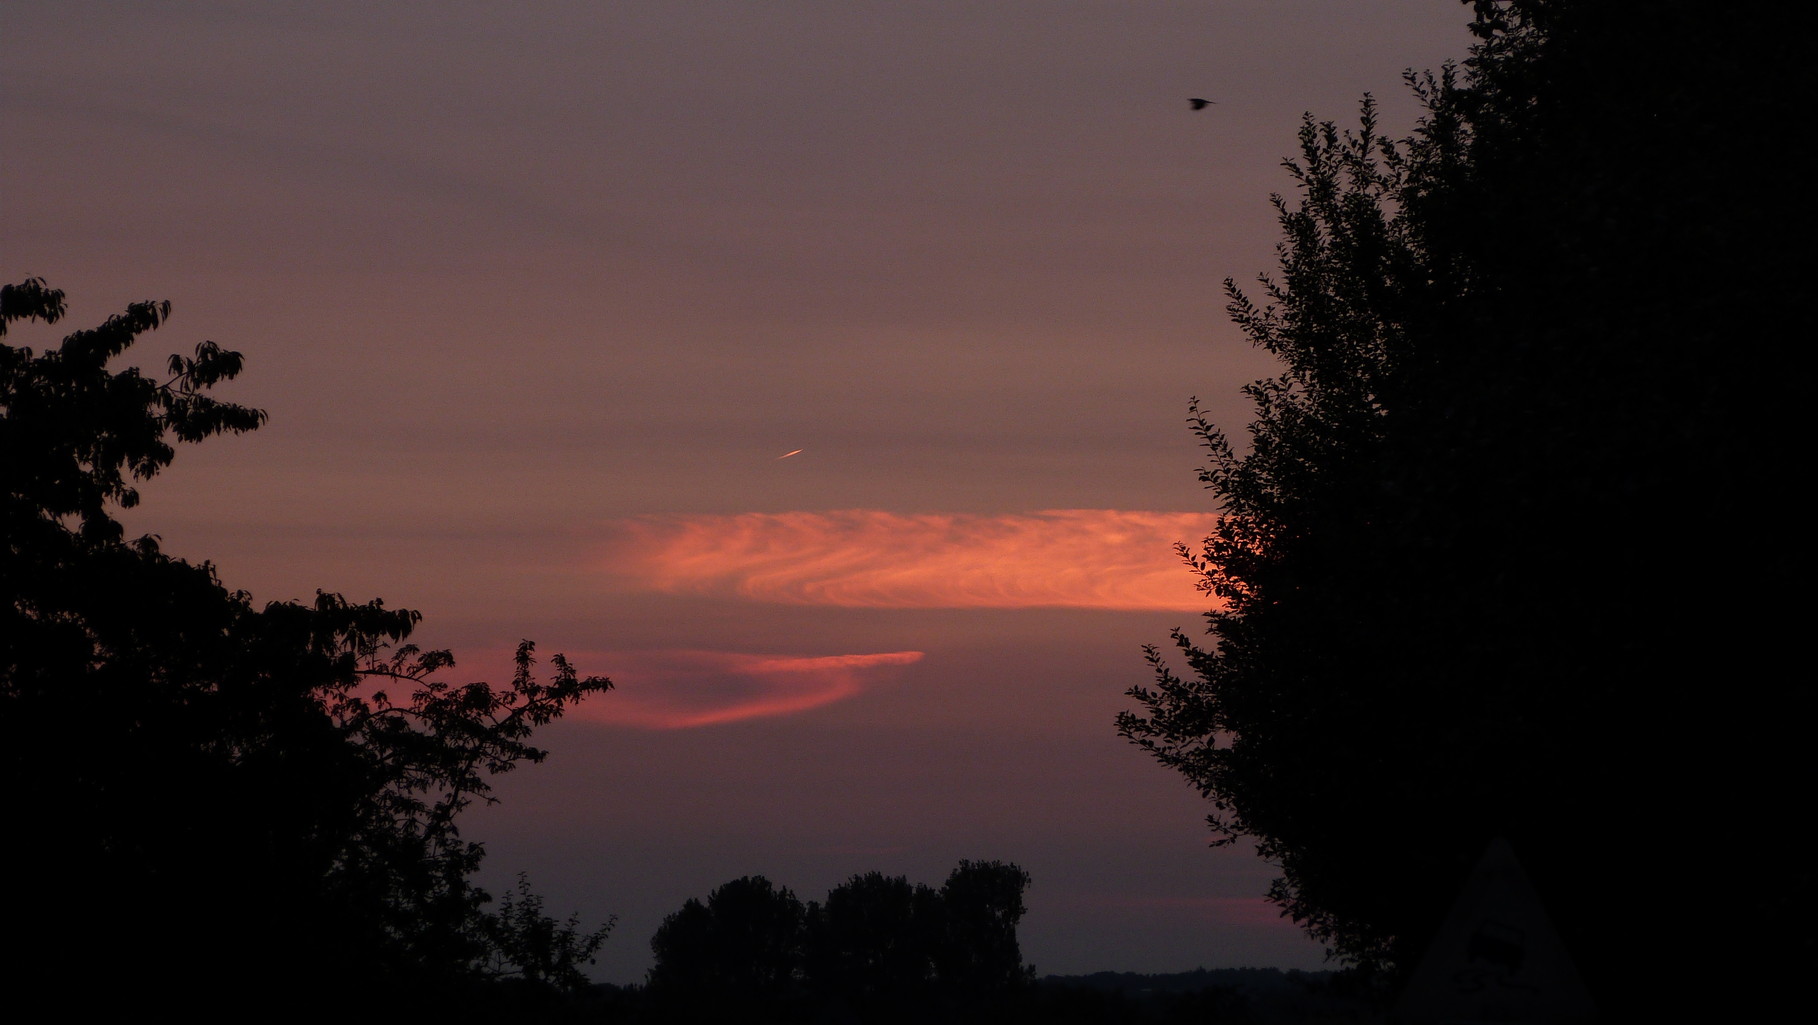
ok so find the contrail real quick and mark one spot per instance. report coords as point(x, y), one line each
point(786, 455)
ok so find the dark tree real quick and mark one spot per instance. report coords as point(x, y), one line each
point(982, 904)
point(217, 802)
point(1509, 548)
point(875, 938)
point(529, 946)
point(879, 948)
point(745, 942)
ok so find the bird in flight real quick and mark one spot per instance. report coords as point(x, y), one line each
point(1199, 104)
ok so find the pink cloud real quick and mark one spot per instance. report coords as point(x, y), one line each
point(1066, 558)
point(673, 689)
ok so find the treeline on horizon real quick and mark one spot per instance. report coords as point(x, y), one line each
point(876, 948)
point(1225, 996)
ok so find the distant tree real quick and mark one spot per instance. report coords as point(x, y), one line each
point(215, 800)
point(879, 948)
point(745, 942)
point(981, 904)
point(1506, 550)
point(876, 937)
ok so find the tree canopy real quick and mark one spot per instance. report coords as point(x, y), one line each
point(1507, 549)
point(220, 800)
point(744, 943)
point(877, 948)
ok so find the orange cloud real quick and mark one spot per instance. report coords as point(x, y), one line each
point(669, 689)
point(1067, 558)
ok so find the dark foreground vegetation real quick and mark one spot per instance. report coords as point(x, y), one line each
point(217, 807)
point(1512, 545)
point(1235, 996)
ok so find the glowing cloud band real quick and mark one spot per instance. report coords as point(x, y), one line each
point(1068, 558)
point(670, 689)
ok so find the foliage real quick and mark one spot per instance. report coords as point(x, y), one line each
point(1308, 513)
point(745, 941)
point(874, 938)
point(982, 903)
point(1453, 565)
point(878, 937)
point(529, 945)
point(878, 946)
point(256, 796)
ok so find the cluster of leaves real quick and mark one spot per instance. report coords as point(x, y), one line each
point(256, 796)
point(877, 948)
point(1319, 511)
point(1453, 570)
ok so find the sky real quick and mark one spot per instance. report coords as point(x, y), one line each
point(817, 371)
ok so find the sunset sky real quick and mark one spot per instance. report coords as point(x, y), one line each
point(817, 371)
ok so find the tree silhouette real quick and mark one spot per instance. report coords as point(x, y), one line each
point(745, 942)
point(982, 904)
point(1456, 562)
point(875, 938)
point(878, 948)
point(529, 945)
point(238, 802)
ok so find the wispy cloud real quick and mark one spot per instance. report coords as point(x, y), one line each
point(673, 689)
point(1067, 558)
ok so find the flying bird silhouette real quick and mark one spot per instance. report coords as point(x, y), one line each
point(1199, 104)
